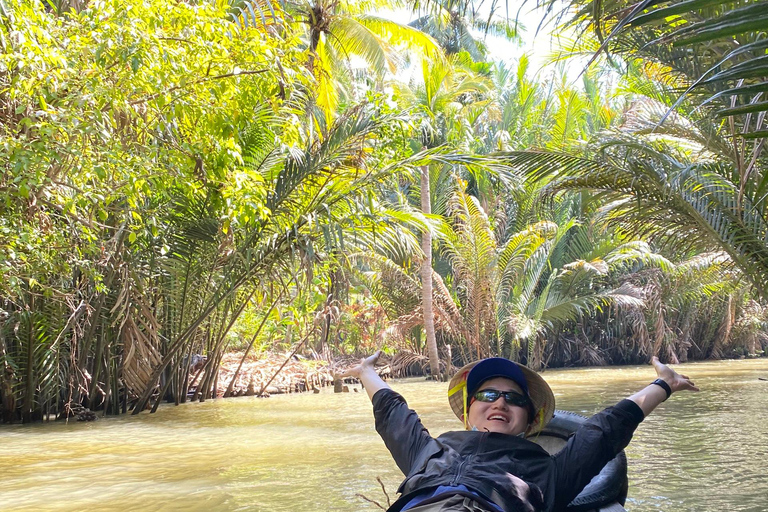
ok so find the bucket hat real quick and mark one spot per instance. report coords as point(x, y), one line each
point(466, 381)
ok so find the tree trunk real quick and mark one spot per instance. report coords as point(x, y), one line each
point(28, 407)
point(7, 396)
point(724, 332)
point(426, 280)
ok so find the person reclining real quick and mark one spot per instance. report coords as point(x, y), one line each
point(490, 466)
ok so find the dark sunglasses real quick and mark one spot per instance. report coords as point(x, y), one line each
point(511, 397)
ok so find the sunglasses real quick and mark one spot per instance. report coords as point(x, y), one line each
point(511, 397)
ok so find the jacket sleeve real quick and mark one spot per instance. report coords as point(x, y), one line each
point(593, 445)
point(400, 428)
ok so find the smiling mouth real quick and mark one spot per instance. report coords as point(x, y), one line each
point(497, 417)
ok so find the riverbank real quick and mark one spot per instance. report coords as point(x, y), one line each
point(278, 373)
point(271, 374)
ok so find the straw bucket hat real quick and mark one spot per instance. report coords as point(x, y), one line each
point(539, 391)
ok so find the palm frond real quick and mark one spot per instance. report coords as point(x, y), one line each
point(727, 39)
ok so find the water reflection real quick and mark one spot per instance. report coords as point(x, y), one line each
point(702, 452)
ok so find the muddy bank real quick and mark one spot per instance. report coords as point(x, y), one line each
point(279, 373)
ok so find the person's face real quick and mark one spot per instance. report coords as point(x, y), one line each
point(498, 416)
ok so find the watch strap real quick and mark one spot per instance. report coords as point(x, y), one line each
point(663, 384)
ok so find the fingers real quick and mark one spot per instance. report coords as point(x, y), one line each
point(371, 360)
point(689, 384)
point(682, 382)
point(690, 387)
point(365, 362)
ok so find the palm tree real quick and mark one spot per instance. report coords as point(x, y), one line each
point(525, 109)
point(681, 180)
point(694, 170)
point(497, 297)
point(715, 51)
point(481, 270)
point(522, 289)
point(426, 279)
point(447, 91)
point(338, 30)
point(455, 26)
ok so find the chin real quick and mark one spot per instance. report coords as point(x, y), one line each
point(500, 429)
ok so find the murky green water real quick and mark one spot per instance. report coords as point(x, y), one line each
point(705, 452)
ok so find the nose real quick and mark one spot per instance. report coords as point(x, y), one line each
point(500, 403)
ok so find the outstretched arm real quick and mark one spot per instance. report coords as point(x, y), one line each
point(652, 395)
point(400, 428)
point(366, 372)
point(607, 433)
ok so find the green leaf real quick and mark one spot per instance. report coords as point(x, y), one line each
point(672, 10)
point(743, 90)
point(725, 29)
point(743, 109)
point(755, 135)
point(753, 68)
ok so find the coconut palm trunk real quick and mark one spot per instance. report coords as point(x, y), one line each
point(426, 279)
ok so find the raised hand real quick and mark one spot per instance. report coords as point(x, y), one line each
point(365, 364)
point(366, 372)
point(676, 381)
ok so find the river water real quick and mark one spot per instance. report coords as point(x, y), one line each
point(699, 452)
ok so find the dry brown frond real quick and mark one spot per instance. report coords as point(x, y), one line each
point(724, 332)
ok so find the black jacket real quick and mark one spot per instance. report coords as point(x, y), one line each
point(485, 461)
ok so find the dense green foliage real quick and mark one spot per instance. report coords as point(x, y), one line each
point(688, 166)
point(184, 179)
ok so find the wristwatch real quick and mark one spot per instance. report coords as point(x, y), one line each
point(663, 384)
